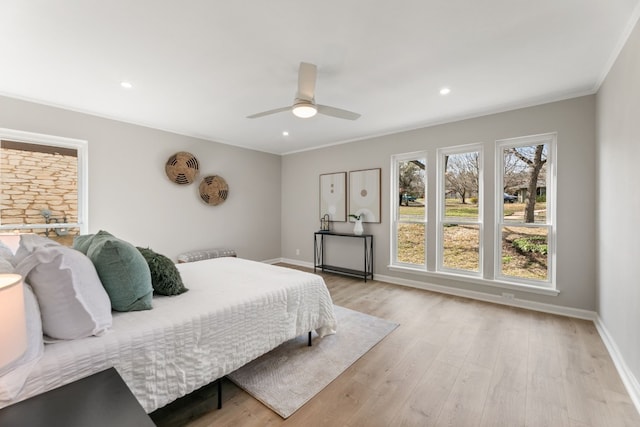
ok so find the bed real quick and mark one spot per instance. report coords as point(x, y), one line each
point(235, 310)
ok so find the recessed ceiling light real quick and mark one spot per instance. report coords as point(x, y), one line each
point(445, 91)
point(126, 85)
point(285, 133)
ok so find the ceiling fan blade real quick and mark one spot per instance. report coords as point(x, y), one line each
point(337, 112)
point(307, 81)
point(266, 113)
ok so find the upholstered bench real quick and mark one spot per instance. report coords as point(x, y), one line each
point(205, 254)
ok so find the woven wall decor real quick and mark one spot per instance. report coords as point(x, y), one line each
point(214, 190)
point(182, 168)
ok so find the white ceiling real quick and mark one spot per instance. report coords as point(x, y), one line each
point(199, 67)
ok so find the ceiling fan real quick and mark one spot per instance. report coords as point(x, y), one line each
point(304, 104)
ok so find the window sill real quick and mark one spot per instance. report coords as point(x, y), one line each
point(478, 280)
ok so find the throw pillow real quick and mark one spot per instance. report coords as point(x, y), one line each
point(73, 303)
point(5, 266)
point(10, 242)
point(165, 277)
point(81, 243)
point(6, 253)
point(14, 375)
point(28, 243)
point(123, 271)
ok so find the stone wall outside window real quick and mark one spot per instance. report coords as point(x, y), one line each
point(34, 181)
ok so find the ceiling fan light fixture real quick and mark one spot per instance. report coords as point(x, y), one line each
point(304, 105)
point(304, 110)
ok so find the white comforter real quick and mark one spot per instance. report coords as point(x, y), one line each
point(235, 311)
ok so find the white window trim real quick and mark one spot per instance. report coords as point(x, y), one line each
point(394, 208)
point(488, 278)
point(550, 182)
point(440, 203)
point(511, 285)
point(81, 147)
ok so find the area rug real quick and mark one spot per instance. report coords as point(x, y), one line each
point(290, 375)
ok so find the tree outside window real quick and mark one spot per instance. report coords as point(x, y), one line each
point(409, 213)
point(460, 228)
point(526, 226)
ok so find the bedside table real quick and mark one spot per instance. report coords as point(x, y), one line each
point(99, 400)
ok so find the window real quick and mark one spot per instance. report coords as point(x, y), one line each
point(525, 209)
point(511, 245)
point(409, 219)
point(43, 181)
point(459, 210)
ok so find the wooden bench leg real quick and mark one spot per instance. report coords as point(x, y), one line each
point(219, 393)
point(309, 338)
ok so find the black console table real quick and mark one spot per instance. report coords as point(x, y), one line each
point(318, 254)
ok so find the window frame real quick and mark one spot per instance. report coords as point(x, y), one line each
point(395, 209)
point(441, 219)
point(551, 206)
point(81, 147)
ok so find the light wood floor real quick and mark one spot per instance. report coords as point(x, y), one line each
point(452, 362)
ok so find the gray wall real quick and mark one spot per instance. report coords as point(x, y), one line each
point(618, 294)
point(573, 120)
point(272, 209)
point(131, 196)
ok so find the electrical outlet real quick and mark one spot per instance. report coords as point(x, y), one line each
point(507, 295)
point(297, 251)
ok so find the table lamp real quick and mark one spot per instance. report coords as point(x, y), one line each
point(13, 324)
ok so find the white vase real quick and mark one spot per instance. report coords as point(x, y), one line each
point(357, 228)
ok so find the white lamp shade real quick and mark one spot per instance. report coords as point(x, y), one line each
point(13, 324)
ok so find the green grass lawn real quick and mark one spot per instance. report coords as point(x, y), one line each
point(455, 209)
point(461, 243)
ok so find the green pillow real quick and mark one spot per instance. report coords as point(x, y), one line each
point(165, 277)
point(82, 243)
point(123, 271)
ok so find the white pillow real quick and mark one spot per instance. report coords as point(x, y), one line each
point(6, 253)
point(28, 243)
point(5, 266)
point(72, 300)
point(14, 375)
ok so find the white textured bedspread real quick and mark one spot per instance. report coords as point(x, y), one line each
point(235, 311)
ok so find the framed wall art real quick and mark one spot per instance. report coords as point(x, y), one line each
point(364, 194)
point(333, 196)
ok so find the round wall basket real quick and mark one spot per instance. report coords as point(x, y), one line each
point(214, 190)
point(182, 168)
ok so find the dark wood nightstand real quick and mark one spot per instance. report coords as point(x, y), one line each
point(99, 400)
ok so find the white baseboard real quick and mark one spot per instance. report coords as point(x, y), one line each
point(514, 302)
point(296, 262)
point(629, 380)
